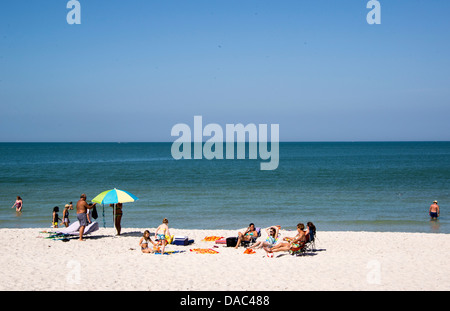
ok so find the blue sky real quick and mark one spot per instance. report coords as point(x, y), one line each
point(135, 68)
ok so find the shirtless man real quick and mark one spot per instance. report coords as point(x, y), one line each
point(434, 210)
point(82, 208)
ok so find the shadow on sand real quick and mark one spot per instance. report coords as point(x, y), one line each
point(305, 254)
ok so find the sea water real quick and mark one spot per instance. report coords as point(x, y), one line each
point(339, 186)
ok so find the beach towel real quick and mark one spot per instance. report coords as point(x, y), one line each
point(94, 213)
point(74, 229)
point(168, 252)
point(212, 238)
point(75, 226)
point(204, 251)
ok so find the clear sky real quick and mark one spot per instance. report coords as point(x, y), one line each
point(134, 68)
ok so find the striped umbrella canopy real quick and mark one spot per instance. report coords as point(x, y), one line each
point(114, 196)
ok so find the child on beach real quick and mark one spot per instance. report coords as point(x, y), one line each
point(144, 241)
point(164, 230)
point(55, 217)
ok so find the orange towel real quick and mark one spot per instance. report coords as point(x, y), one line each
point(212, 238)
point(204, 251)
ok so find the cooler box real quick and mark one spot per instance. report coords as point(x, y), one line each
point(181, 240)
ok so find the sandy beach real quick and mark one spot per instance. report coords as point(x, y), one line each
point(343, 261)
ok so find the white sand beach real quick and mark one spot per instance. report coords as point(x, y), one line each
point(343, 261)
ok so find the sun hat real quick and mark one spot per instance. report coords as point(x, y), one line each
point(434, 201)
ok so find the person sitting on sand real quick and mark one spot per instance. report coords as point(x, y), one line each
point(247, 235)
point(271, 240)
point(144, 241)
point(164, 230)
point(295, 243)
point(434, 210)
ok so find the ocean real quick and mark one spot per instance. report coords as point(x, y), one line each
point(339, 186)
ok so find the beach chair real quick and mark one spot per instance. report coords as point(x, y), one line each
point(252, 240)
point(311, 241)
point(74, 229)
point(298, 251)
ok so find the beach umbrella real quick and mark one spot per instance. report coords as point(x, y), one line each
point(114, 196)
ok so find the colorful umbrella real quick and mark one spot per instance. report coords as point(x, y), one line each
point(114, 196)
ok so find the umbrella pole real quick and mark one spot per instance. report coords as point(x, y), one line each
point(114, 217)
point(104, 222)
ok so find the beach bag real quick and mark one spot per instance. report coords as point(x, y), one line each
point(94, 213)
point(231, 241)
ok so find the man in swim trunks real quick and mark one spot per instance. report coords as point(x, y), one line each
point(434, 210)
point(82, 207)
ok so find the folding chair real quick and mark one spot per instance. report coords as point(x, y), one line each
point(252, 240)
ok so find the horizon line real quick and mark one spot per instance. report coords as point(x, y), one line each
point(285, 141)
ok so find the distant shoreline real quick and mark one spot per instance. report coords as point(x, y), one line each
point(49, 229)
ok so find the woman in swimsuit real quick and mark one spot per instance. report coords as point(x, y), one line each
point(117, 216)
point(289, 243)
point(271, 240)
point(18, 204)
point(310, 232)
point(163, 230)
point(247, 235)
point(144, 241)
point(66, 220)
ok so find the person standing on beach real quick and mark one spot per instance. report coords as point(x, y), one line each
point(55, 217)
point(163, 230)
point(66, 220)
point(434, 210)
point(82, 208)
point(18, 204)
point(117, 216)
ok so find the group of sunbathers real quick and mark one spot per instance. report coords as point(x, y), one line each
point(273, 243)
